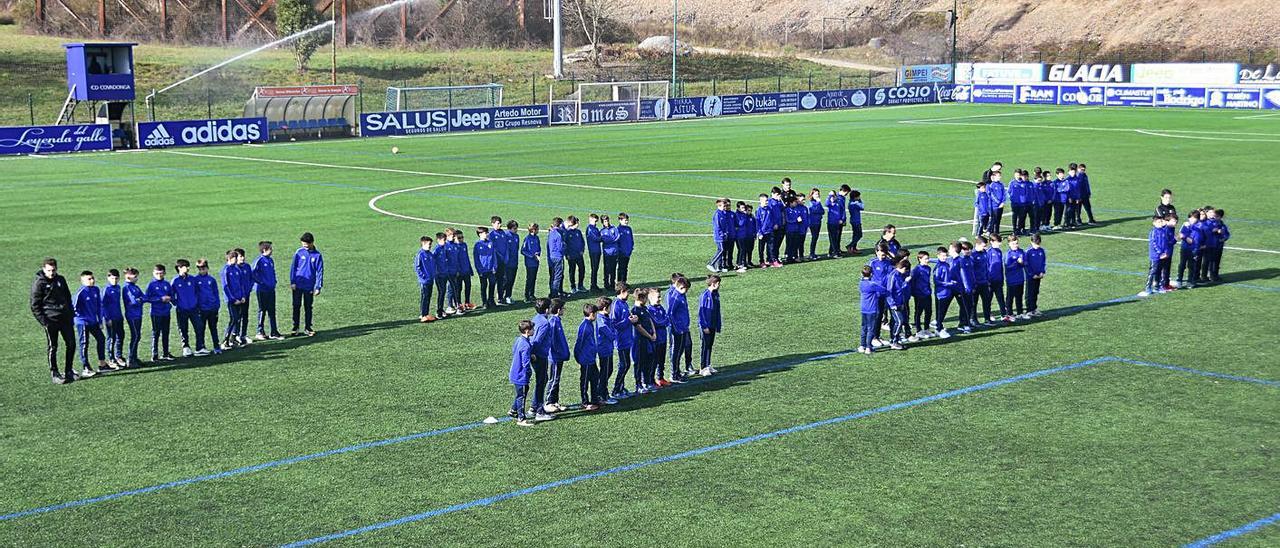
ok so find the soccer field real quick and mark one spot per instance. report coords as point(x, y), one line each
point(1111, 420)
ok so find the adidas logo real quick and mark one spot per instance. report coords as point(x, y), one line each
point(159, 137)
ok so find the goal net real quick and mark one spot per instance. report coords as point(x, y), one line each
point(600, 102)
point(442, 97)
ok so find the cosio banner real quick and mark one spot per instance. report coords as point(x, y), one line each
point(759, 103)
point(420, 122)
point(1038, 95)
point(1095, 73)
point(1271, 98)
point(1081, 95)
point(41, 139)
point(186, 133)
point(924, 74)
point(1234, 98)
point(1120, 96)
point(993, 94)
point(1180, 97)
point(903, 95)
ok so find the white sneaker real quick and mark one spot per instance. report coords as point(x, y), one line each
point(186, 352)
point(1175, 284)
point(876, 343)
point(896, 346)
point(550, 408)
point(913, 338)
point(705, 372)
point(202, 352)
point(450, 311)
point(861, 349)
point(713, 370)
point(543, 417)
point(866, 351)
point(1144, 293)
point(741, 269)
point(86, 373)
point(944, 334)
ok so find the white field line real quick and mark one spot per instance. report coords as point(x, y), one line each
point(973, 116)
point(1207, 138)
point(1087, 128)
point(1256, 116)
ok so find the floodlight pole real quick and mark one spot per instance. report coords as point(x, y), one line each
point(557, 67)
point(333, 42)
point(675, 39)
point(955, 24)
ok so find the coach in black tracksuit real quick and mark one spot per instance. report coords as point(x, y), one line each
point(51, 305)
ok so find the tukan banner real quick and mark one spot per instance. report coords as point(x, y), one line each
point(42, 139)
point(418, 122)
point(760, 103)
point(186, 133)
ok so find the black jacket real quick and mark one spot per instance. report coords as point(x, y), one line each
point(1164, 210)
point(50, 299)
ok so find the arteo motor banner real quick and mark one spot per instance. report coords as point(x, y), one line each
point(41, 139)
point(185, 133)
point(1094, 73)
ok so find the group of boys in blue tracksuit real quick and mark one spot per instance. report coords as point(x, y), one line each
point(445, 265)
point(777, 228)
point(641, 327)
point(104, 314)
point(1041, 202)
point(970, 274)
point(1199, 241)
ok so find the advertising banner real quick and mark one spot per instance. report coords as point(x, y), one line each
point(1180, 97)
point(1259, 74)
point(833, 99)
point(1122, 96)
point(1184, 74)
point(924, 74)
point(42, 139)
point(962, 93)
point(993, 94)
point(1234, 98)
point(1081, 95)
point(999, 73)
point(1037, 95)
point(694, 107)
point(1094, 73)
point(305, 91)
point(186, 133)
point(599, 112)
point(758, 103)
point(903, 95)
point(1271, 98)
point(466, 119)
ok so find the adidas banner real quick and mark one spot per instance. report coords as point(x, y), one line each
point(185, 133)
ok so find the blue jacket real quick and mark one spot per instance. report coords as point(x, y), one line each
point(521, 361)
point(1085, 190)
point(880, 269)
point(1037, 260)
point(574, 244)
point(233, 283)
point(559, 342)
point(678, 308)
point(593, 240)
point(722, 225)
point(996, 195)
point(1073, 187)
point(530, 250)
point(1021, 192)
point(898, 290)
point(619, 319)
point(609, 240)
point(133, 300)
point(605, 337)
point(1156, 243)
point(1062, 190)
point(968, 280)
point(995, 266)
point(555, 244)
point(764, 221)
point(502, 254)
point(1046, 193)
point(979, 259)
point(920, 276)
point(777, 215)
point(207, 293)
point(744, 226)
point(424, 264)
point(111, 304)
point(626, 241)
point(156, 290)
point(246, 271)
point(540, 341)
point(444, 265)
point(88, 306)
point(661, 320)
point(1192, 240)
point(486, 257)
point(815, 213)
point(307, 270)
point(183, 290)
point(464, 259)
point(264, 273)
point(835, 209)
point(797, 219)
point(1224, 235)
point(644, 320)
point(709, 311)
point(944, 281)
point(871, 294)
point(855, 212)
point(584, 347)
point(1015, 272)
point(982, 202)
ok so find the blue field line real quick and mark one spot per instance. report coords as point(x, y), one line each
point(1201, 372)
point(1144, 275)
point(1273, 519)
point(488, 501)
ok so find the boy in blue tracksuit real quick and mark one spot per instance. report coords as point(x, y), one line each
point(531, 250)
point(744, 235)
point(765, 222)
point(981, 282)
point(815, 221)
point(1156, 252)
point(945, 287)
point(709, 321)
point(642, 351)
point(540, 354)
point(1040, 200)
point(1086, 192)
point(1037, 263)
point(836, 215)
point(87, 304)
point(995, 276)
point(159, 295)
point(1015, 274)
point(184, 300)
point(575, 245)
point(486, 257)
point(1020, 199)
point(1192, 242)
point(996, 198)
point(722, 231)
point(779, 216)
point(233, 288)
point(921, 293)
point(881, 266)
point(855, 218)
point(982, 207)
point(246, 273)
point(555, 257)
point(1061, 196)
point(661, 323)
point(584, 352)
point(624, 338)
point(264, 287)
point(134, 299)
point(424, 265)
point(207, 305)
point(497, 237)
point(606, 338)
point(1221, 233)
point(871, 295)
point(797, 224)
point(681, 341)
point(521, 370)
point(509, 259)
point(609, 248)
point(897, 292)
point(465, 270)
point(306, 279)
point(1073, 197)
point(443, 273)
point(626, 246)
point(964, 266)
point(559, 354)
point(594, 249)
point(113, 320)
point(454, 253)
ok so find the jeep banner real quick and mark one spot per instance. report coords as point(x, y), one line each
point(418, 122)
point(186, 133)
point(42, 139)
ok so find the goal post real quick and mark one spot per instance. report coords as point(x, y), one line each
point(443, 97)
point(601, 102)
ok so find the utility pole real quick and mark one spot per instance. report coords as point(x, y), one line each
point(675, 40)
point(333, 42)
point(557, 67)
point(955, 24)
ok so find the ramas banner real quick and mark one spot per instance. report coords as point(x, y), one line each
point(185, 133)
point(42, 139)
point(419, 122)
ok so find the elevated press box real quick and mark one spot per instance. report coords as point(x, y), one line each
point(100, 71)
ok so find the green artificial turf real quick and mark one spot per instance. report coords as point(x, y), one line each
point(1109, 454)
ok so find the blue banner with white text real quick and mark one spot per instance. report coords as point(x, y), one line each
point(42, 139)
point(418, 122)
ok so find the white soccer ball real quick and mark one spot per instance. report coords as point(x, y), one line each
point(395, 150)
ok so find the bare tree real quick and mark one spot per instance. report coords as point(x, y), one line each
point(593, 18)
